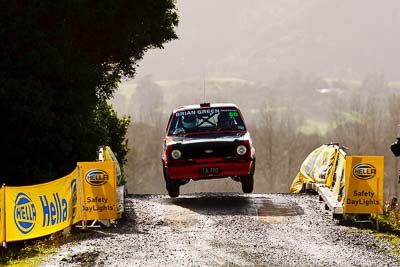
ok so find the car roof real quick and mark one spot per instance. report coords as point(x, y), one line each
point(206, 105)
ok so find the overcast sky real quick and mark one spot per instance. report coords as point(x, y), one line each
point(258, 39)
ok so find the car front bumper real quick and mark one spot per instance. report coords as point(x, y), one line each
point(194, 169)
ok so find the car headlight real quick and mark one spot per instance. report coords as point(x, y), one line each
point(241, 150)
point(176, 154)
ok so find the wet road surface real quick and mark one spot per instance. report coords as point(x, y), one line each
point(251, 205)
point(225, 230)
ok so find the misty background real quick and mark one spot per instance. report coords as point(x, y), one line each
point(303, 73)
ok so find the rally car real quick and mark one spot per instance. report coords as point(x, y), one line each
point(207, 141)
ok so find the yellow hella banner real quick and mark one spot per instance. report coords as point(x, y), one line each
point(364, 185)
point(99, 183)
point(38, 210)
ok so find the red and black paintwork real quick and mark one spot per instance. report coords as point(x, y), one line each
point(208, 154)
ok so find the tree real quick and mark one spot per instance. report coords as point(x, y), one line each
point(58, 60)
point(280, 145)
point(147, 101)
point(144, 170)
point(111, 130)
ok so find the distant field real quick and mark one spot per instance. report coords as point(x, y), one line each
point(394, 85)
point(249, 95)
point(128, 88)
point(315, 127)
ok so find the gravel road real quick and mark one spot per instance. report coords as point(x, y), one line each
point(225, 230)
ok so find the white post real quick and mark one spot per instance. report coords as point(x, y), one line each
point(101, 154)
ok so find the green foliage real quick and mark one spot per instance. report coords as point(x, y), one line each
point(111, 130)
point(58, 59)
point(386, 233)
point(390, 220)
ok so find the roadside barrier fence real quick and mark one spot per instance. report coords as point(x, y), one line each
point(348, 184)
point(87, 193)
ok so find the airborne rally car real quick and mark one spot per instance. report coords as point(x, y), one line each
point(207, 141)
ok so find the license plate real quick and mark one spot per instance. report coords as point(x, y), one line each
point(209, 170)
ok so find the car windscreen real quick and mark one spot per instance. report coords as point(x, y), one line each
point(206, 120)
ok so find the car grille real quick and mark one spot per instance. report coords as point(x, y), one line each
point(208, 150)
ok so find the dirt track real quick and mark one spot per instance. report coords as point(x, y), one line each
point(228, 230)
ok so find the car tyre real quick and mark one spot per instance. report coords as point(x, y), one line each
point(171, 185)
point(248, 180)
point(247, 183)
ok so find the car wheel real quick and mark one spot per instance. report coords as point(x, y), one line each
point(172, 185)
point(248, 180)
point(247, 183)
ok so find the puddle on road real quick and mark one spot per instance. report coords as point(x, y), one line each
point(276, 211)
point(269, 209)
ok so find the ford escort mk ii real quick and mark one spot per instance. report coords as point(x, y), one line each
point(207, 141)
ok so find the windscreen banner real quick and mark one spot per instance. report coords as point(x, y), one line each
point(99, 184)
point(364, 185)
point(39, 210)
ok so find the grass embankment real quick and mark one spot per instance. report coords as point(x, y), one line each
point(389, 226)
point(28, 253)
point(388, 229)
point(31, 252)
